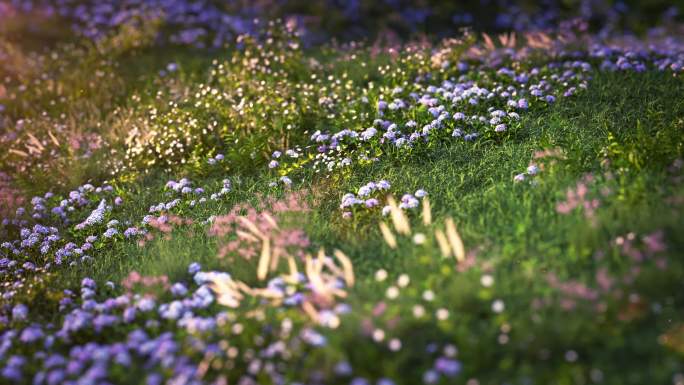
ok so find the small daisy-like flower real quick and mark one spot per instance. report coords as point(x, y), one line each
point(519, 178)
point(487, 280)
point(381, 275)
point(498, 306)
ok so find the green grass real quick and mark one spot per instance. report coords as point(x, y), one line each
point(624, 130)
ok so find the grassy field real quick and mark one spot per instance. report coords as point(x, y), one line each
point(544, 252)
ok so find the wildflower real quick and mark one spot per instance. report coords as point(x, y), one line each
point(88, 283)
point(487, 280)
point(145, 304)
point(285, 180)
point(130, 232)
point(313, 338)
point(368, 133)
point(392, 292)
point(179, 290)
point(365, 190)
point(378, 335)
point(372, 202)
point(500, 127)
point(381, 275)
point(421, 193)
point(19, 312)
point(273, 164)
point(430, 377)
point(95, 217)
point(447, 366)
point(519, 178)
point(532, 169)
point(498, 306)
point(343, 368)
point(129, 314)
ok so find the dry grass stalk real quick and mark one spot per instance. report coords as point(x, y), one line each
point(262, 268)
point(347, 267)
point(455, 240)
point(427, 212)
point(390, 239)
point(399, 219)
point(443, 243)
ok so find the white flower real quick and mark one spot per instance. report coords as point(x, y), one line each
point(498, 306)
point(487, 280)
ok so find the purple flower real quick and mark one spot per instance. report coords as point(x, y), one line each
point(131, 232)
point(194, 268)
point(146, 304)
point(372, 202)
point(19, 312)
point(95, 217)
point(110, 232)
point(129, 314)
point(104, 320)
point(383, 185)
point(179, 290)
point(500, 128)
point(447, 366)
point(31, 334)
point(89, 283)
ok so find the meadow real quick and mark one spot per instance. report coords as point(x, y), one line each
point(192, 196)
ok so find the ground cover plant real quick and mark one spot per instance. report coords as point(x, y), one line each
point(285, 193)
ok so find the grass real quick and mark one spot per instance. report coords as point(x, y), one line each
point(624, 130)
